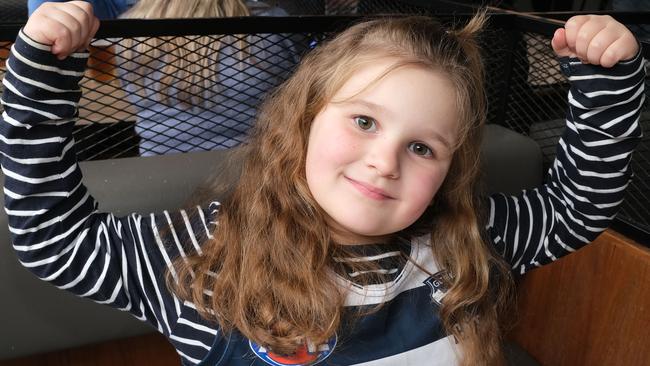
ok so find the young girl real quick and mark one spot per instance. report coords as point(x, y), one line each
point(354, 236)
point(198, 93)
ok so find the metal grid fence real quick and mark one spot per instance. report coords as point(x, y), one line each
point(528, 94)
point(212, 107)
point(187, 93)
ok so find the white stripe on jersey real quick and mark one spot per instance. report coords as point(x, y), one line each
point(442, 352)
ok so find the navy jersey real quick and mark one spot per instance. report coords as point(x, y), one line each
point(59, 235)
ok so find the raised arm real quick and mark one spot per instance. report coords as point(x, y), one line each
point(586, 183)
point(55, 229)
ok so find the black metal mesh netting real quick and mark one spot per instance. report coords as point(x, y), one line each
point(213, 105)
point(186, 93)
point(528, 94)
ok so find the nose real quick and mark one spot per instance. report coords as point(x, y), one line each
point(384, 157)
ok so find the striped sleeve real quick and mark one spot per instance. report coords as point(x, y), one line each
point(55, 228)
point(586, 183)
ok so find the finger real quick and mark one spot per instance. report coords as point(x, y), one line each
point(85, 5)
point(42, 29)
point(599, 43)
point(82, 11)
point(616, 52)
point(78, 18)
point(93, 31)
point(584, 36)
point(629, 46)
point(572, 26)
point(71, 33)
point(60, 37)
point(559, 44)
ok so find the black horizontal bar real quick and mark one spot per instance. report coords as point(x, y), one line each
point(445, 6)
point(232, 25)
point(526, 22)
point(120, 28)
point(244, 25)
point(9, 31)
point(625, 17)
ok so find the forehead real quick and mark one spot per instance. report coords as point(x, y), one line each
point(400, 92)
point(368, 76)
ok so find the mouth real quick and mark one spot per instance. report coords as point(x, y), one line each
point(369, 190)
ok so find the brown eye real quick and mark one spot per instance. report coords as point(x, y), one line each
point(420, 149)
point(365, 123)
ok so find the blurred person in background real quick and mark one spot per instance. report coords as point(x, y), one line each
point(104, 9)
point(200, 93)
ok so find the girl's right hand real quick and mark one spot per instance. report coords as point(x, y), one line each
point(67, 27)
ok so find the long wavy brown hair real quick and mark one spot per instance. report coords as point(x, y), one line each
point(270, 260)
point(188, 62)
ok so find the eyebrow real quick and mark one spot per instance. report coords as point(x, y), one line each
point(440, 138)
point(379, 108)
point(366, 103)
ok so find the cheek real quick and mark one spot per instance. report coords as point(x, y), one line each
point(428, 182)
point(330, 149)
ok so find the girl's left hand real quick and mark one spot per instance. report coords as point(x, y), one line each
point(595, 39)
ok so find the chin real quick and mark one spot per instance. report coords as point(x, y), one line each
point(368, 233)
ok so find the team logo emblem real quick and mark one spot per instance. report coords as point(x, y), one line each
point(438, 286)
point(307, 355)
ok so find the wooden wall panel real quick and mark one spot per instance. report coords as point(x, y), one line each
point(589, 308)
point(151, 349)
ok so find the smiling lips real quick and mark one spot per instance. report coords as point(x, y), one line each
point(370, 191)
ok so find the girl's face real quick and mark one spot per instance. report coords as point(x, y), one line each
point(379, 151)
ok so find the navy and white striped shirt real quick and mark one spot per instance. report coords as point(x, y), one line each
point(121, 261)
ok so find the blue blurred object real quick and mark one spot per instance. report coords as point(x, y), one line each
point(104, 9)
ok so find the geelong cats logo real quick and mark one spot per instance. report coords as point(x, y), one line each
point(438, 285)
point(307, 355)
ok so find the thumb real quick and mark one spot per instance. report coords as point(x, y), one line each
point(559, 43)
